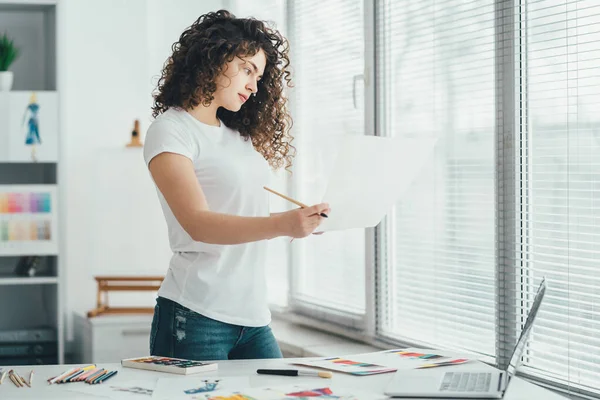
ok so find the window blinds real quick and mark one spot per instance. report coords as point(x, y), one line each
point(436, 78)
point(562, 149)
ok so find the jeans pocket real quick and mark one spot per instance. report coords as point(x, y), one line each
point(183, 310)
point(154, 328)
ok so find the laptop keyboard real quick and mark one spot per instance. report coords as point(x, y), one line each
point(466, 382)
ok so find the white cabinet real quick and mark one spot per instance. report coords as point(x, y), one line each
point(110, 338)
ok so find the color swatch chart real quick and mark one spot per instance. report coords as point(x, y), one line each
point(27, 202)
point(20, 214)
point(25, 229)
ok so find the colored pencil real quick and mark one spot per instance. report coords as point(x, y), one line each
point(95, 375)
point(57, 378)
point(107, 376)
point(83, 377)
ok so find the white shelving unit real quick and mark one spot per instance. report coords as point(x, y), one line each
point(37, 280)
point(27, 171)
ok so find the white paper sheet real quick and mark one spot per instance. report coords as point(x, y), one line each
point(369, 175)
point(196, 387)
point(348, 365)
point(116, 389)
point(302, 391)
point(388, 361)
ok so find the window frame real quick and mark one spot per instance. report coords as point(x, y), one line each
point(358, 324)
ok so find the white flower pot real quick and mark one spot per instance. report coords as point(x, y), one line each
point(6, 81)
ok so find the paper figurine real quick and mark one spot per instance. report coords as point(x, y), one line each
point(33, 129)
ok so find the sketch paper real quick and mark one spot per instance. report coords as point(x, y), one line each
point(196, 387)
point(291, 392)
point(369, 174)
point(350, 365)
point(115, 389)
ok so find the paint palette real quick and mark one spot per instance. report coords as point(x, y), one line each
point(169, 364)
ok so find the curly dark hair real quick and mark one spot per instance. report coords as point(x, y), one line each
point(199, 57)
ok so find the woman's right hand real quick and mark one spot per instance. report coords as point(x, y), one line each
point(302, 222)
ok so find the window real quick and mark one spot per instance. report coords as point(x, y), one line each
point(327, 40)
point(435, 63)
point(511, 91)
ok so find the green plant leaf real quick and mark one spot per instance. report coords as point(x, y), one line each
point(8, 52)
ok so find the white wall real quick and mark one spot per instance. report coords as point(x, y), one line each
point(110, 53)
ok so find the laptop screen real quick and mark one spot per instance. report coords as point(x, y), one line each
point(515, 360)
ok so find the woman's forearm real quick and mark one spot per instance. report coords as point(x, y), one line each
point(216, 228)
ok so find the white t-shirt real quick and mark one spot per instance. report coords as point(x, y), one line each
point(223, 282)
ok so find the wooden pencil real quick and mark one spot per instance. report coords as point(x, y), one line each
point(24, 381)
point(296, 202)
point(14, 379)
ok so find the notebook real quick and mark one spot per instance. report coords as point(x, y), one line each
point(169, 364)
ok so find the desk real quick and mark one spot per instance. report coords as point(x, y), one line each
point(519, 389)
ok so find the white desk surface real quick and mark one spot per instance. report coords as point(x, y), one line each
point(519, 389)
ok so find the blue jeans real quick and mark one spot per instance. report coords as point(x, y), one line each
point(180, 332)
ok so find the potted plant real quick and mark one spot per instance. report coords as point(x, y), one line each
point(8, 54)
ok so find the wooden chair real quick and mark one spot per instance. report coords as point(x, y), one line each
point(123, 283)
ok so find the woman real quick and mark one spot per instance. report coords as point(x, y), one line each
point(220, 122)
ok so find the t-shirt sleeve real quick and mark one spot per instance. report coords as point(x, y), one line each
point(166, 137)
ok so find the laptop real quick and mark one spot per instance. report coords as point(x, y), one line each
point(482, 382)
